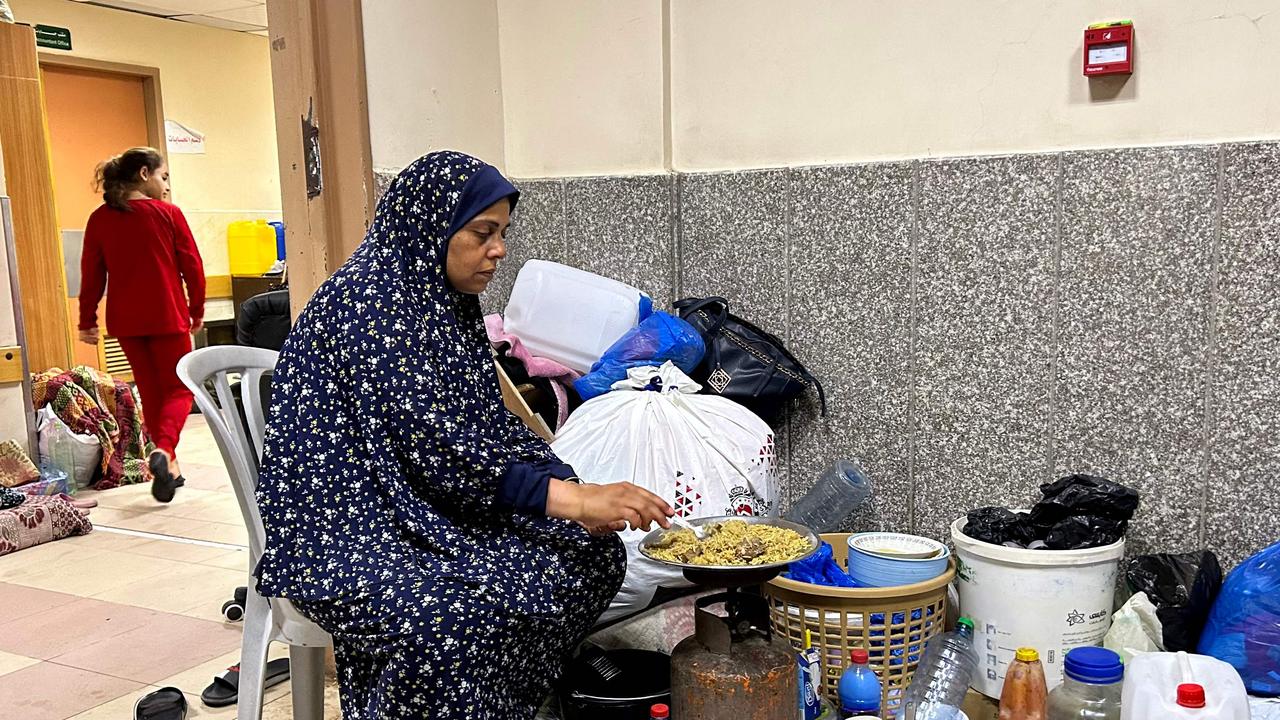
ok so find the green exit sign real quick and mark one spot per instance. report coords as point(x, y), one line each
point(57, 38)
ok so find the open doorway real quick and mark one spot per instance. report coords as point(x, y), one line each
point(94, 110)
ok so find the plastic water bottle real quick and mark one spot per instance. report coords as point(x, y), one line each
point(1091, 688)
point(859, 687)
point(839, 492)
point(943, 676)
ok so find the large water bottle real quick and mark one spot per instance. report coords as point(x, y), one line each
point(943, 676)
point(839, 492)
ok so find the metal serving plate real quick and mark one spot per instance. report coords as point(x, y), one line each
point(658, 534)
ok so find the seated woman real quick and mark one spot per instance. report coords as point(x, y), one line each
point(452, 556)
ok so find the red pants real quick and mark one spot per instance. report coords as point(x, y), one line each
point(166, 402)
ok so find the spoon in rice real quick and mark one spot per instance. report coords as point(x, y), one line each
point(698, 532)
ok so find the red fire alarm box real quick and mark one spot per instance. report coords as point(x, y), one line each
point(1108, 49)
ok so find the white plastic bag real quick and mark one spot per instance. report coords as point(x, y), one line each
point(77, 455)
point(704, 454)
point(1135, 628)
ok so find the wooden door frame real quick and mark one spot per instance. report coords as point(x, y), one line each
point(152, 98)
point(318, 79)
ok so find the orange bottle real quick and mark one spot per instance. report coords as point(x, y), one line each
point(1025, 695)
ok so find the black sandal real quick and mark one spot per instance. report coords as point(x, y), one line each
point(163, 483)
point(225, 688)
point(164, 704)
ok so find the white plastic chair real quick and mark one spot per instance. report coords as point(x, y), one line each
point(266, 620)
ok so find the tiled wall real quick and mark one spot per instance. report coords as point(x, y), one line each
point(986, 324)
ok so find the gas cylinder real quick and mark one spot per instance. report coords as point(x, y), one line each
point(732, 668)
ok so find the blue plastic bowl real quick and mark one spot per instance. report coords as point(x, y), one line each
point(880, 571)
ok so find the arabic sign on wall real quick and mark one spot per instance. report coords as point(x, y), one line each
point(182, 140)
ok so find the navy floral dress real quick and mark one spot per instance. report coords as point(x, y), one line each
point(403, 503)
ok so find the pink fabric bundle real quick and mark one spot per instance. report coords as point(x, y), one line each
point(535, 366)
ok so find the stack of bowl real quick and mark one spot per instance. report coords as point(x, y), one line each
point(884, 559)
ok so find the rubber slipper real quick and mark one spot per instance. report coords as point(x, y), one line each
point(164, 704)
point(225, 688)
point(163, 483)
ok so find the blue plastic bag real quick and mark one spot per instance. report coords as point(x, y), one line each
point(821, 568)
point(659, 338)
point(1244, 624)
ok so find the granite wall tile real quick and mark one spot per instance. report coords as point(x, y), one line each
point(624, 228)
point(849, 303)
point(1242, 512)
point(958, 472)
point(984, 307)
point(537, 233)
point(382, 181)
point(1136, 267)
point(733, 242)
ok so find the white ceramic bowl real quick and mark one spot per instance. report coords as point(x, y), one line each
point(897, 546)
point(876, 570)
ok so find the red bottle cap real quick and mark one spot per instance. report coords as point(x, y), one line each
point(859, 656)
point(1191, 695)
point(659, 712)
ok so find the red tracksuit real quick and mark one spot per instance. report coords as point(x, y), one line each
point(148, 254)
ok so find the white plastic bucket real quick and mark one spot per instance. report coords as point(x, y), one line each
point(1050, 600)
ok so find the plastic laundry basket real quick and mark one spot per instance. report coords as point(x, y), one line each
point(892, 623)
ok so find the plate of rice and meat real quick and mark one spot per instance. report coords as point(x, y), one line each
point(731, 543)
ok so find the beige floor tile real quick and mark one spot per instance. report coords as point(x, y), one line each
point(220, 532)
point(117, 709)
point(186, 590)
point(92, 573)
point(282, 709)
point(113, 516)
point(177, 551)
point(44, 556)
point(48, 691)
point(233, 560)
point(105, 540)
point(217, 507)
point(10, 662)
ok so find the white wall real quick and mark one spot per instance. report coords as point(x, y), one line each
point(582, 86)
point(845, 80)
point(578, 88)
point(434, 79)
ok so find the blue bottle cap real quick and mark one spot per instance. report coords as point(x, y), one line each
point(1096, 665)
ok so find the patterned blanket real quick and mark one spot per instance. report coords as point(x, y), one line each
point(93, 403)
point(39, 520)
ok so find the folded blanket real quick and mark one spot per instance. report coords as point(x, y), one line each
point(38, 520)
point(93, 403)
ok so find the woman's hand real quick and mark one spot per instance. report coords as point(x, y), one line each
point(89, 336)
point(196, 326)
point(605, 508)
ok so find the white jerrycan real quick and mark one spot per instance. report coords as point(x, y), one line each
point(1174, 686)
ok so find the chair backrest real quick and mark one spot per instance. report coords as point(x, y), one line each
point(241, 447)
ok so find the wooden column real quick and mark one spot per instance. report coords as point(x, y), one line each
point(317, 70)
point(25, 137)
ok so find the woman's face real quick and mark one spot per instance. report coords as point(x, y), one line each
point(476, 249)
point(155, 185)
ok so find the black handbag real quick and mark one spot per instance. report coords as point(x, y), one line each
point(743, 362)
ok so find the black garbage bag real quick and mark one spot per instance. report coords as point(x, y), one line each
point(1183, 588)
point(1084, 531)
point(1084, 495)
point(998, 526)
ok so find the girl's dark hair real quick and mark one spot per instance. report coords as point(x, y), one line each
point(117, 177)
